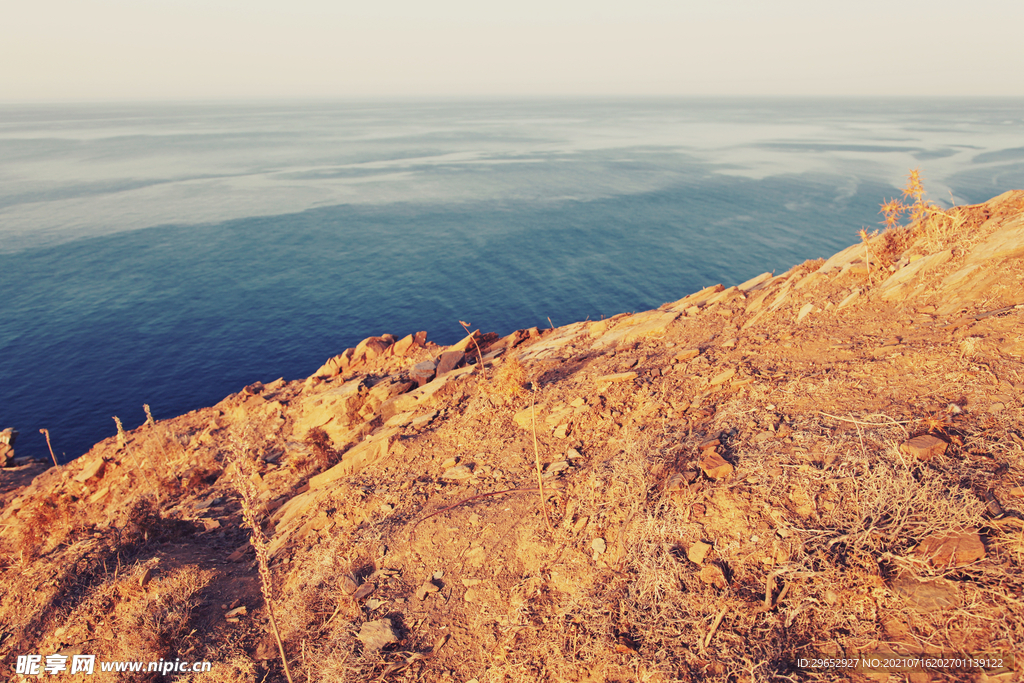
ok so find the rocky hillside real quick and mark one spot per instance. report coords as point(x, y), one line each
point(824, 462)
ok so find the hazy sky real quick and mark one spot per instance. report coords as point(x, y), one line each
point(174, 49)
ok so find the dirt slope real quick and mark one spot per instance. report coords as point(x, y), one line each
point(823, 461)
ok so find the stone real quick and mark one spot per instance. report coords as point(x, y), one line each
point(385, 389)
point(371, 348)
point(713, 575)
point(556, 467)
point(336, 365)
point(754, 282)
point(850, 298)
point(421, 373)
point(426, 589)
point(409, 343)
point(805, 310)
point(561, 431)
point(94, 469)
point(715, 466)
point(676, 483)
point(723, 377)
point(952, 549)
point(927, 596)
point(524, 418)
point(334, 411)
point(685, 355)
point(423, 420)
point(6, 455)
point(364, 453)
point(458, 473)
point(448, 361)
point(923, 447)
point(599, 546)
point(8, 436)
point(363, 591)
point(698, 552)
point(375, 635)
point(617, 377)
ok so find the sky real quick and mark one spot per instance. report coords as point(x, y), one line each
point(101, 50)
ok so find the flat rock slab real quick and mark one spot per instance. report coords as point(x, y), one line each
point(927, 596)
point(377, 634)
point(952, 549)
point(923, 447)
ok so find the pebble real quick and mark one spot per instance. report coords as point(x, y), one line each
point(599, 546)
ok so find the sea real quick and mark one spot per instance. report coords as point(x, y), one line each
point(171, 253)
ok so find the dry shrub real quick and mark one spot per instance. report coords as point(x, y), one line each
point(323, 449)
point(47, 525)
point(144, 623)
point(510, 379)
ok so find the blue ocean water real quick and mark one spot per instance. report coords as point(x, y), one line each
point(171, 254)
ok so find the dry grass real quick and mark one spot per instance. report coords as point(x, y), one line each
point(510, 379)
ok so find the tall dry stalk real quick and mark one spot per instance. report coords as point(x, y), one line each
point(536, 458)
point(46, 433)
point(250, 504)
point(479, 354)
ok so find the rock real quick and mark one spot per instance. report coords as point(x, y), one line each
point(599, 546)
point(1017, 492)
point(336, 365)
point(927, 596)
point(952, 549)
point(94, 469)
point(7, 439)
point(617, 377)
point(423, 420)
point(698, 552)
point(363, 591)
point(676, 483)
point(371, 348)
point(754, 282)
point(458, 473)
point(6, 455)
point(556, 467)
point(422, 373)
point(385, 389)
point(923, 447)
point(409, 343)
point(377, 634)
point(334, 411)
point(715, 466)
point(713, 575)
point(349, 585)
point(426, 589)
point(524, 418)
point(448, 361)
point(146, 577)
point(561, 431)
point(723, 377)
point(850, 298)
point(805, 310)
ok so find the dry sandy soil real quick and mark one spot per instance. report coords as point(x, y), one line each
point(823, 463)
